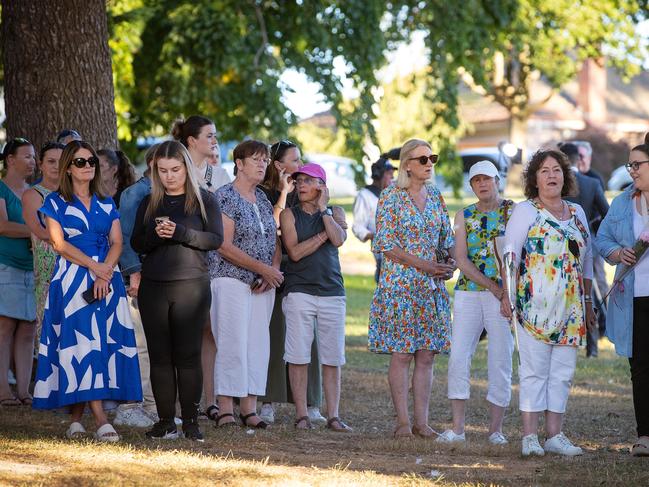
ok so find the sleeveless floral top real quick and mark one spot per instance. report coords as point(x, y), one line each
point(550, 290)
point(481, 228)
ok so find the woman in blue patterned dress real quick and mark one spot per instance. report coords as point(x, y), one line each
point(87, 349)
point(410, 313)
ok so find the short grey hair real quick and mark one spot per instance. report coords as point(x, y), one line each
point(585, 144)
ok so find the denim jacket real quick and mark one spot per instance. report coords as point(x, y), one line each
point(132, 196)
point(616, 231)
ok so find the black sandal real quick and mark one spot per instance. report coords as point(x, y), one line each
point(262, 425)
point(225, 425)
point(306, 421)
point(212, 412)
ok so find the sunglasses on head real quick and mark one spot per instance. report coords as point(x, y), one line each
point(80, 162)
point(423, 160)
point(15, 142)
point(280, 144)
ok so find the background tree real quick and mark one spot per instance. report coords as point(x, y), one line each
point(500, 47)
point(57, 70)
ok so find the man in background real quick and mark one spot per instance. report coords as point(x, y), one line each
point(364, 226)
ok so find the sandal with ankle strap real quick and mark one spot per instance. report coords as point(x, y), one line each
point(341, 428)
point(262, 425)
point(218, 419)
point(212, 412)
point(306, 421)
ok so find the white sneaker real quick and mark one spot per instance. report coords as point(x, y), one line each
point(315, 416)
point(531, 446)
point(449, 436)
point(497, 438)
point(562, 445)
point(132, 416)
point(267, 413)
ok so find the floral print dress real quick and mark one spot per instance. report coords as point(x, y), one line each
point(411, 309)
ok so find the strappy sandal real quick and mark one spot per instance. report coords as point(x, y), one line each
point(403, 431)
point(262, 425)
point(107, 434)
point(218, 419)
point(75, 431)
point(307, 423)
point(10, 401)
point(212, 412)
point(341, 428)
point(26, 401)
point(423, 431)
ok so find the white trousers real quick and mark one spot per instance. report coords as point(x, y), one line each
point(473, 311)
point(545, 374)
point(240, 321)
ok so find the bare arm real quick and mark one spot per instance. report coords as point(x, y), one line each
point(298, 250)
point(116, 244)
point(32, 201)
point(464, 263)
point(239, 258)
point(73, 254)
point(334, 226)
point(11, 229)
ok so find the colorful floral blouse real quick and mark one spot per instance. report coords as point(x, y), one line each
point(555, 259)
point(410, 310)
point(481, 228)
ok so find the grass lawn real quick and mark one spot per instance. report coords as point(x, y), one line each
point(599, 418)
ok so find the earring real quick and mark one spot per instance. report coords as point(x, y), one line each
point(408, 172)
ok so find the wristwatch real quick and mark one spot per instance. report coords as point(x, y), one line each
point(327, 211)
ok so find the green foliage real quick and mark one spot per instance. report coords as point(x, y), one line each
point(224, 58)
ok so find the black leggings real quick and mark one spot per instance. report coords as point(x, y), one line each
point(640, 364)
point(173, 316)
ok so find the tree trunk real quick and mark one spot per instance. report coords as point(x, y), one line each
point(57, 70)
point(518, 137)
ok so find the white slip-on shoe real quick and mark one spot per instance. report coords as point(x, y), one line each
point(531, 446)
point(132, 416)
point(315, 416)
point(267, 413)
point(75, 431)
point(561, 445)
point(107, 434)
point(449, 436)
point(497, 438)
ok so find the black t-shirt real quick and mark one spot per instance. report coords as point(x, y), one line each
point(184, 256)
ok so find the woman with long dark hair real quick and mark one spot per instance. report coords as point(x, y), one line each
point(87, 351)
point(174, 228)
point(117, 172)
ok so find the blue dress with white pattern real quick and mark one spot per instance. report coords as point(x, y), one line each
point(87, 351)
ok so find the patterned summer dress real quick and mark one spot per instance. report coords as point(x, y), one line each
point(44, 259)
point(410, 310)
point(550, 290)
point(87, 351)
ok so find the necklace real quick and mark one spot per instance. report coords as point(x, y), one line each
point(557, 213)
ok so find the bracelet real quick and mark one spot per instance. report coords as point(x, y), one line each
point(588, 299)
point(280, 206)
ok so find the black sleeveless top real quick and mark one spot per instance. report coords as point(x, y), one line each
point(317, 274)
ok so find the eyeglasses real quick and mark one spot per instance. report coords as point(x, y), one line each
point(279, 145)
point(423, 160)
point(257, 160)
point(634, 165)
point(80, 162)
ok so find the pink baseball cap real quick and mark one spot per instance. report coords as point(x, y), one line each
point(313, 170)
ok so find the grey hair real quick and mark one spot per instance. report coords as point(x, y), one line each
point(585, 144)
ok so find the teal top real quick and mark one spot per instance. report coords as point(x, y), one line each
point(14, 252)
point(481, 228)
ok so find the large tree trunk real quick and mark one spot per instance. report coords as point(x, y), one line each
point(57, 70)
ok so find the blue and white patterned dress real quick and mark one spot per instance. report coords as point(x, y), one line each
point(87, 351)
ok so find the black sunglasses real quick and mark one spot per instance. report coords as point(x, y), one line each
point(15, 142)
point(423, 160)
point(80, 162)
point(279, 145)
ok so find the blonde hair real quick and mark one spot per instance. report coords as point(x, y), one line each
point(403, 179)
point(172, 149)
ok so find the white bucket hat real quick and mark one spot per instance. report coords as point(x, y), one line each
point(485, 168)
